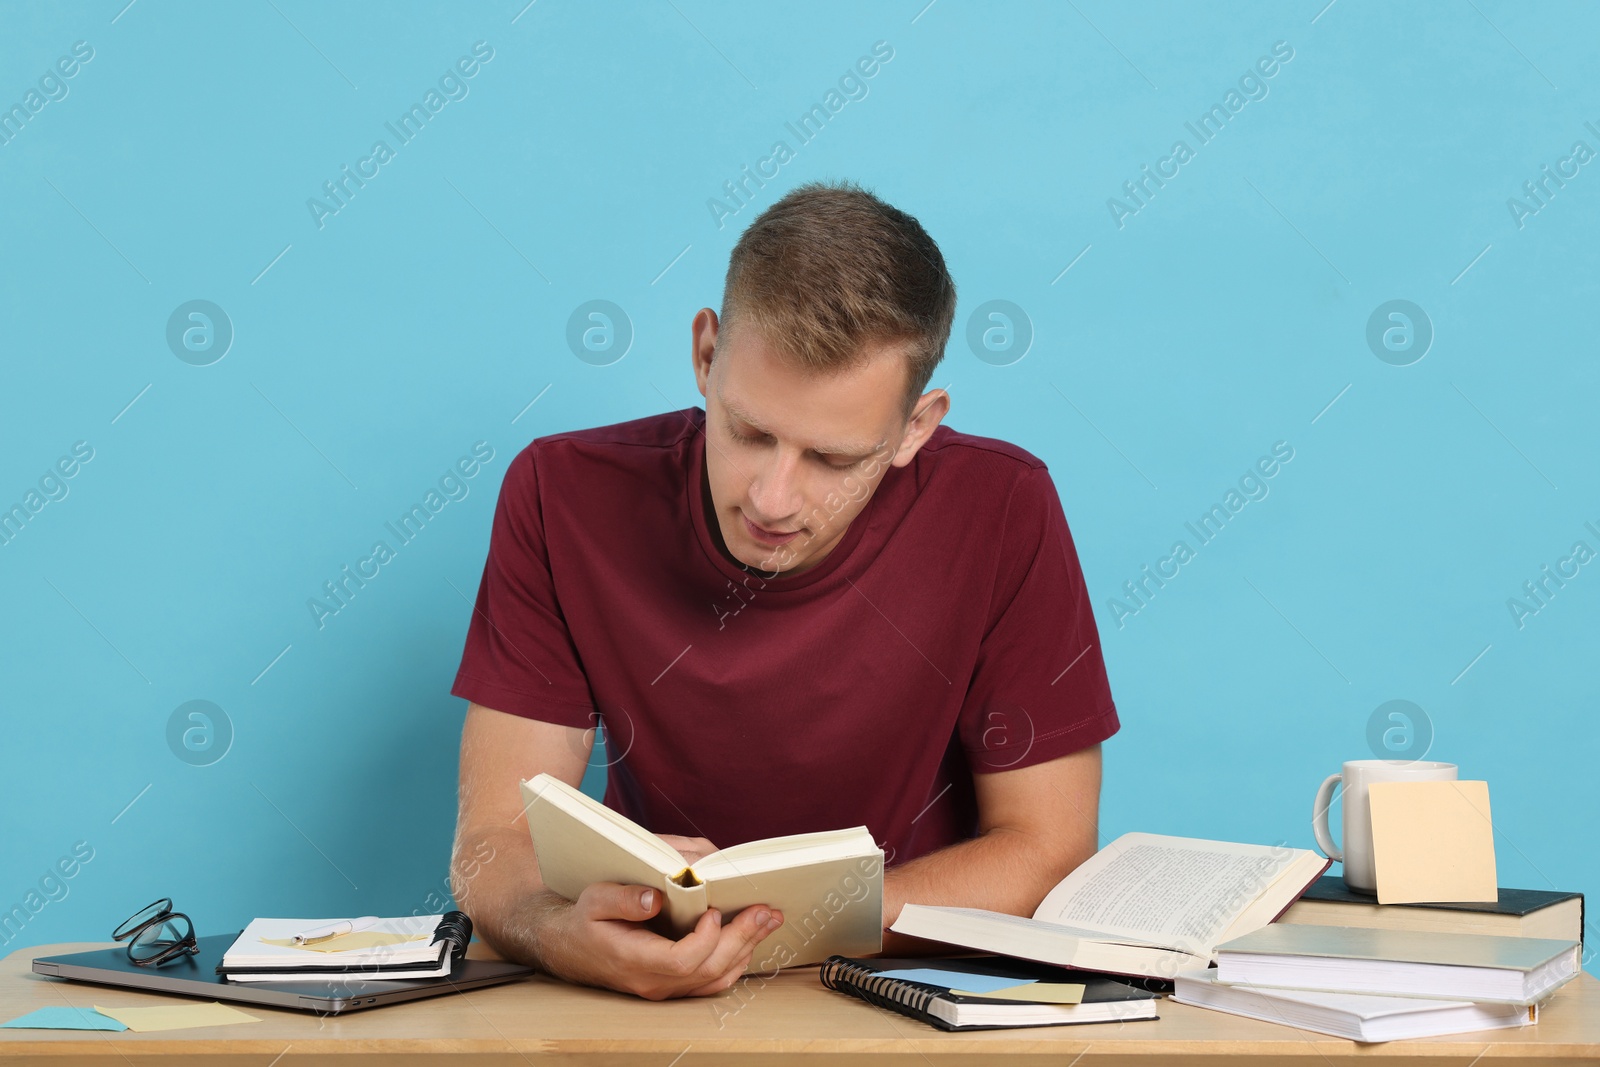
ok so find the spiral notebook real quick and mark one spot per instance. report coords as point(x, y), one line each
point(410, 946)
point(1105, 999)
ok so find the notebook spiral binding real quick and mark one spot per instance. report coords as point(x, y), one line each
point(455, 928)
point(841, 975)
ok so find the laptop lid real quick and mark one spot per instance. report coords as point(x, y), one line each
point(196, 976)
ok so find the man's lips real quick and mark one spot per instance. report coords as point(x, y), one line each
point(766, 536)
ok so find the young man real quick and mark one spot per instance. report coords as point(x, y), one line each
point(808, 606)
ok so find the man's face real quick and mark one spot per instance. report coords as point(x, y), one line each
point(793, 456)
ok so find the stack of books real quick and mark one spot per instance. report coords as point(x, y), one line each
point(1368, 984)
point(1154, 913)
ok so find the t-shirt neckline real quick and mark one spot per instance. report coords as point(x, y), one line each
point(695, 483)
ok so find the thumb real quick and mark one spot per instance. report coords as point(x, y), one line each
point(609, 900)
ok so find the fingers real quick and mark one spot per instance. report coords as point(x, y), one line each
point(609, 900)
point(710, 958)
point(679, 842)
point(737, 940)
point(690, 848)
point(741, 947)
point(657, 968)
point(688, 954)
point(719, 985)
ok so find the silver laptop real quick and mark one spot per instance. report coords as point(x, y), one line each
point(197, 976)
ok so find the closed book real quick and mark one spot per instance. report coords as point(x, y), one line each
point(1353, 1016)
point(1408, 963)
point(1145, 905)
point(1517, 912)
point(409, 946)
point(1105, 999)
point(827, 885)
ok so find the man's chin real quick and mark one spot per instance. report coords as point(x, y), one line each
point(770, 561)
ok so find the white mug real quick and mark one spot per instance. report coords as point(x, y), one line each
point(1359, 872)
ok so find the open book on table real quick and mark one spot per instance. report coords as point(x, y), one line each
point(828, 885)
point(1144, 905)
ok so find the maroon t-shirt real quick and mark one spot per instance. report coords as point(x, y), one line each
point(948, 632)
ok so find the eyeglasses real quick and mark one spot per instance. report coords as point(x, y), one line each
point(156, 934)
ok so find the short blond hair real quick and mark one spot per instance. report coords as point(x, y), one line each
point(829, 269)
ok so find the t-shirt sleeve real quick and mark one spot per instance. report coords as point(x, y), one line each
point(519, 656)
point(1039, 688)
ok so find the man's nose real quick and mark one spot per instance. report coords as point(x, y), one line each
point(775, 492)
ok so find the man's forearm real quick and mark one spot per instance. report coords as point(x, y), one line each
point(504, 894)
point(1002, 870)
point(1040, 822)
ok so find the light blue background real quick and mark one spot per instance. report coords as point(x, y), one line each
point(1225, 316)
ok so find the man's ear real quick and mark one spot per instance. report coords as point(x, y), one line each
point(703, 346)
point(930, 409)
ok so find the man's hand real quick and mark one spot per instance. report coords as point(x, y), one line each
point(692, 849)
point(599, 940)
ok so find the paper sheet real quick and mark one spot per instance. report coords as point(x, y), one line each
point(1045, 992)
point(358, 939)
point(142, 1020)
point(953, 979)
point(63, 1018)
point(1432, 842)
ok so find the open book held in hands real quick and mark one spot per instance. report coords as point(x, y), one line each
point(828, 885)
point(1144, 905)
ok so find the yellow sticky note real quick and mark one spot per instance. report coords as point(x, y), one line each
point(356, 939)
point(176, 1016)
point(1432, 842)
point(1046, 992)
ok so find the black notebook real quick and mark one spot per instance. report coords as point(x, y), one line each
point(1518, 912)
point(1105, 999)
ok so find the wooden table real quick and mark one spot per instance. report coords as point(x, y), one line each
point(788, 1020)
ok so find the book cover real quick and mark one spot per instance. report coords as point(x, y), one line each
point(1519, 902)
point(1399, 946)
point(1414, 963)
point(827, 885)
point(1354, 1016)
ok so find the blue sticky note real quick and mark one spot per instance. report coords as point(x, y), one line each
point(976, 983)
point(63, 1018)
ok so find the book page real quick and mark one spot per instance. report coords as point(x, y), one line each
point(614, 826)
point(399, 939)
point(794, 850)
point(1177, 891)
point(832, 907)
point(576, 846)
point(1028, 927)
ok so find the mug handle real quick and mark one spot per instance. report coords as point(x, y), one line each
point(1319, 818)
